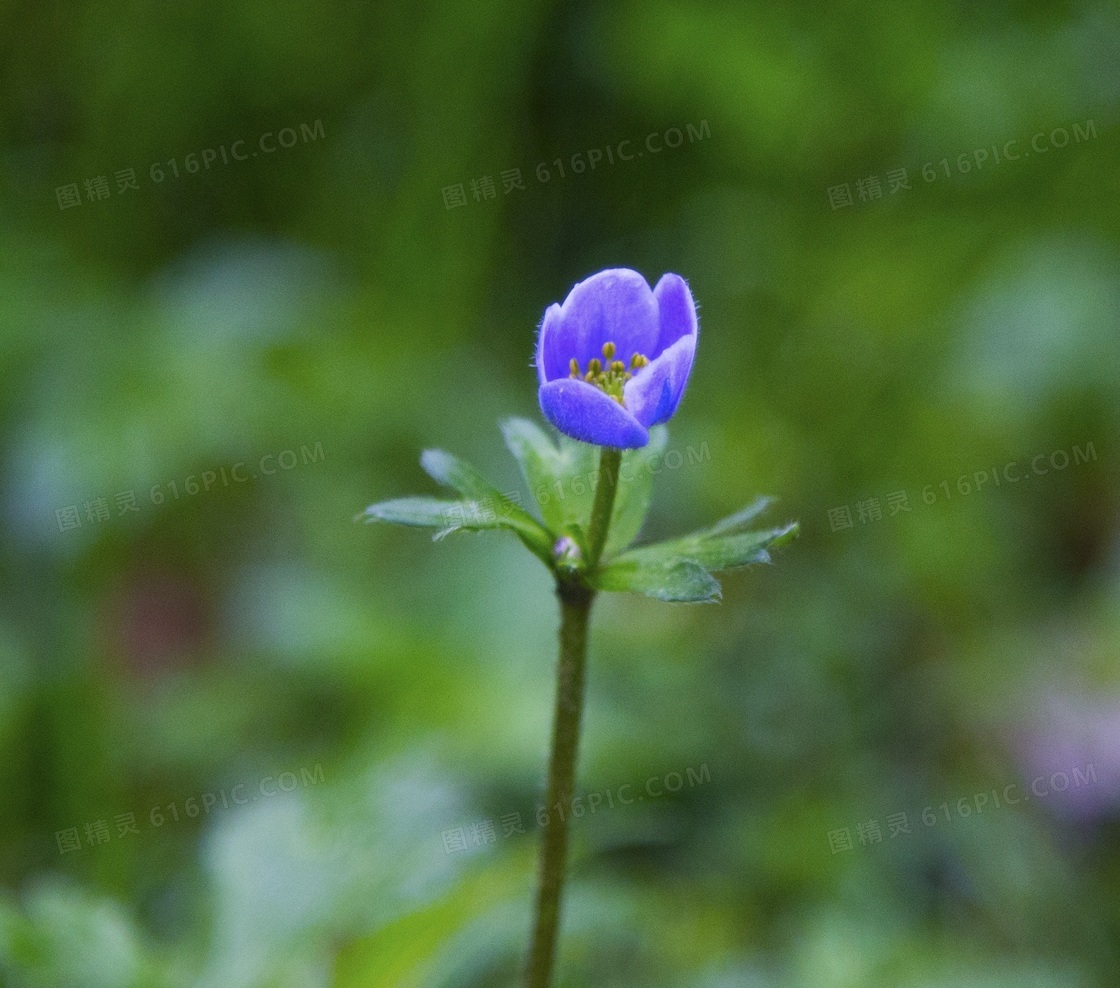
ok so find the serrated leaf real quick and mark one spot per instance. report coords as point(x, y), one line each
point(430, 512)
point(447, 469)
point(483, 507)
point(456, 516)
point(725, 545)
point(486, 500)
point(675, 580)
point(420, 512)
point(722, 552)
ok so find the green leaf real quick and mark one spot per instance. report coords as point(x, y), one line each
point(560, 478)
point(716, 552)
point(725, 545)
point(733, 523)
point(722, 552)
point(449, 470)
point(676, 580)
point(680, 569)
point(543, 467)
point(485, 505)
point(534, 451)
point(430, 512)
point(421, 512)
point(456, 516)
point(635, 489)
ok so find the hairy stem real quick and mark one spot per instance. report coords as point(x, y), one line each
point(575, 613)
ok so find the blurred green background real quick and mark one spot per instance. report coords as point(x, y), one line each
point(208, 371)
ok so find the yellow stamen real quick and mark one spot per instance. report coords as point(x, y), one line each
point(611, 375)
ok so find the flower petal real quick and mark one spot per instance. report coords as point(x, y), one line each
point(615, 305)
point(652, 395)
point(676, 310)
point(582, 411)
point(551, 361)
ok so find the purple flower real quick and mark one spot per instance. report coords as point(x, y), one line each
point(614, 359)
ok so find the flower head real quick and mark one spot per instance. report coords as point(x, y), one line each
point(614, 359)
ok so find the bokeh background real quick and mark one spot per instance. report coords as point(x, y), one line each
point(208, 371)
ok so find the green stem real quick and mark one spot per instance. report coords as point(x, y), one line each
point(575, 609)
point(605, 489)
point(575, 612)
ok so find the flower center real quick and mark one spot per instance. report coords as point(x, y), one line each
point(608, 374)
